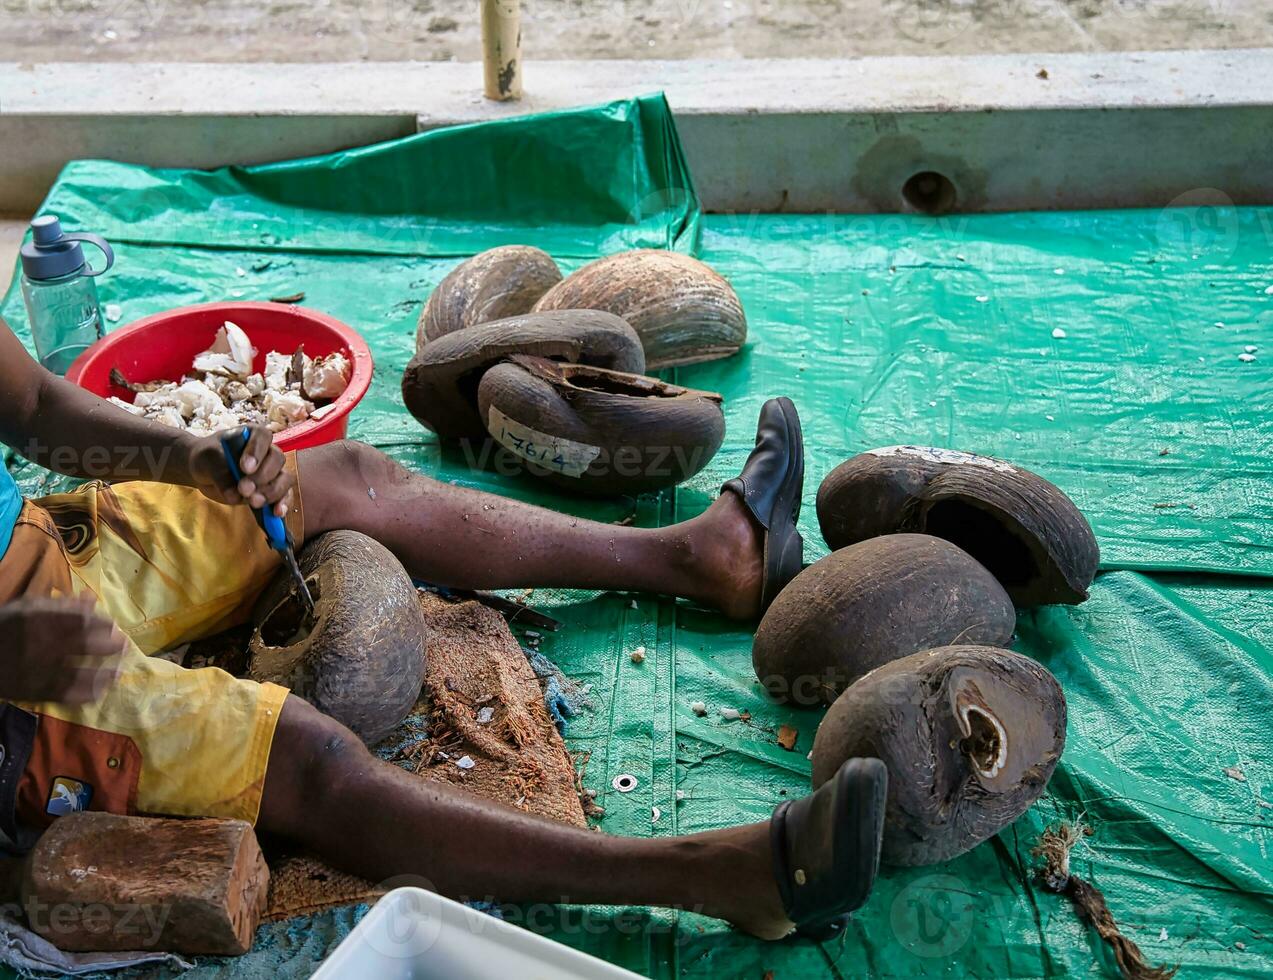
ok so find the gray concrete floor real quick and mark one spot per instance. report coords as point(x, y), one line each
point(439, 30)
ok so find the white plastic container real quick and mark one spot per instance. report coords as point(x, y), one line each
point(412, 933)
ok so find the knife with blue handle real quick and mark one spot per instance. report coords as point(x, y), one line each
point(233, 444)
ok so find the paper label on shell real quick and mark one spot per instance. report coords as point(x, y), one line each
point(551, 452)
point(935, 454)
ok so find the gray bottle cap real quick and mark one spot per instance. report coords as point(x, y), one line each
point(52, 253)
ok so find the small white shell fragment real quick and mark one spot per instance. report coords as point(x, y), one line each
point(277, 364)
point(167, 415)
point(1268, 290)
point(120, 403)
point(236, 391)
point(730, 714)
point(699, 708)
point(1059, 271)
point(1162, 935)
point(1058, 333)
point(464, 762)
point(680, 794)
point(240, 271)
point(983, 299)
point(284, 408)
point(113, 312)
point(1050, 418)
point(1219, 323)
point(1233, 772)
point(326, 377)
point(485, 715)
point(638, 655)
point(196, 399)
point(371, 492)
point(231, 353)
point(632, 604)
point(1246, 358)
point(1251, 348)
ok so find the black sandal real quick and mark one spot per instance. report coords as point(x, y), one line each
point(770, 485)
point(826, 848)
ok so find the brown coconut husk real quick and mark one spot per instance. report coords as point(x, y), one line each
point(1054, 847)
point(611, 432)
point(519, 756)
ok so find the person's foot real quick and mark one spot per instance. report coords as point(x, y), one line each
point(826, 847)
point(745, 546)
point(729, 549)
point(747, 896)
point(770, 487)
point(812, 864)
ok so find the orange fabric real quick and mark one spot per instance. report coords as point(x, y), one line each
point(64, 752)
point(35, 564)
point(169, 566)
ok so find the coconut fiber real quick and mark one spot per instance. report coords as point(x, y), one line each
point(518, 757)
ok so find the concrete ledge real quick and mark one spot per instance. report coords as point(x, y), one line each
point(997, 132)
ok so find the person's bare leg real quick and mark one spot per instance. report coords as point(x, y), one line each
point(464, 538)
point(324, 790)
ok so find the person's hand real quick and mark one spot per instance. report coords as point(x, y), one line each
point(264, 479)
point(58, 650)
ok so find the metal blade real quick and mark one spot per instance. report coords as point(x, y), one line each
point(289, 556)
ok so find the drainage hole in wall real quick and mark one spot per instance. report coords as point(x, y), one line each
point(929, 192)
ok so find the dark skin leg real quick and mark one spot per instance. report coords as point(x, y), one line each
point(468, 539)
point(388, 823)
point(368, 817)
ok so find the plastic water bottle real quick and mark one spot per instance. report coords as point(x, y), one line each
point(60, 295)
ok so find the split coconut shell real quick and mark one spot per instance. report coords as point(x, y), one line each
point(970, 736)
point(498, 283)
point(872, 603)
point(440, 383)
point(590, 430)
point(361, 658)
point(683, 311)
point(1017, 524)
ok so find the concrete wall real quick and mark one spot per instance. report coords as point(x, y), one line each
point(997, 132)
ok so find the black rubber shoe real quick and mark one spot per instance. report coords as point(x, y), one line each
point(771, 485)
point(826, 848)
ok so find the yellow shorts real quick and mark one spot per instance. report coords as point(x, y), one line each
point(169, 566)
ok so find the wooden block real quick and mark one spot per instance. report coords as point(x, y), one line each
point(101, 882)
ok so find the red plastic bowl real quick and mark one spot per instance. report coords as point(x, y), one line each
point(163, 348)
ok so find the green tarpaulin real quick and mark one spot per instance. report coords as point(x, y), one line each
point(1099, 349)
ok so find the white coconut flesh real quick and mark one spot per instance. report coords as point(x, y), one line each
point(1002, 734)
point(986, 740)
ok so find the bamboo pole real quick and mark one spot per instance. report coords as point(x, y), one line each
point(501, 49)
